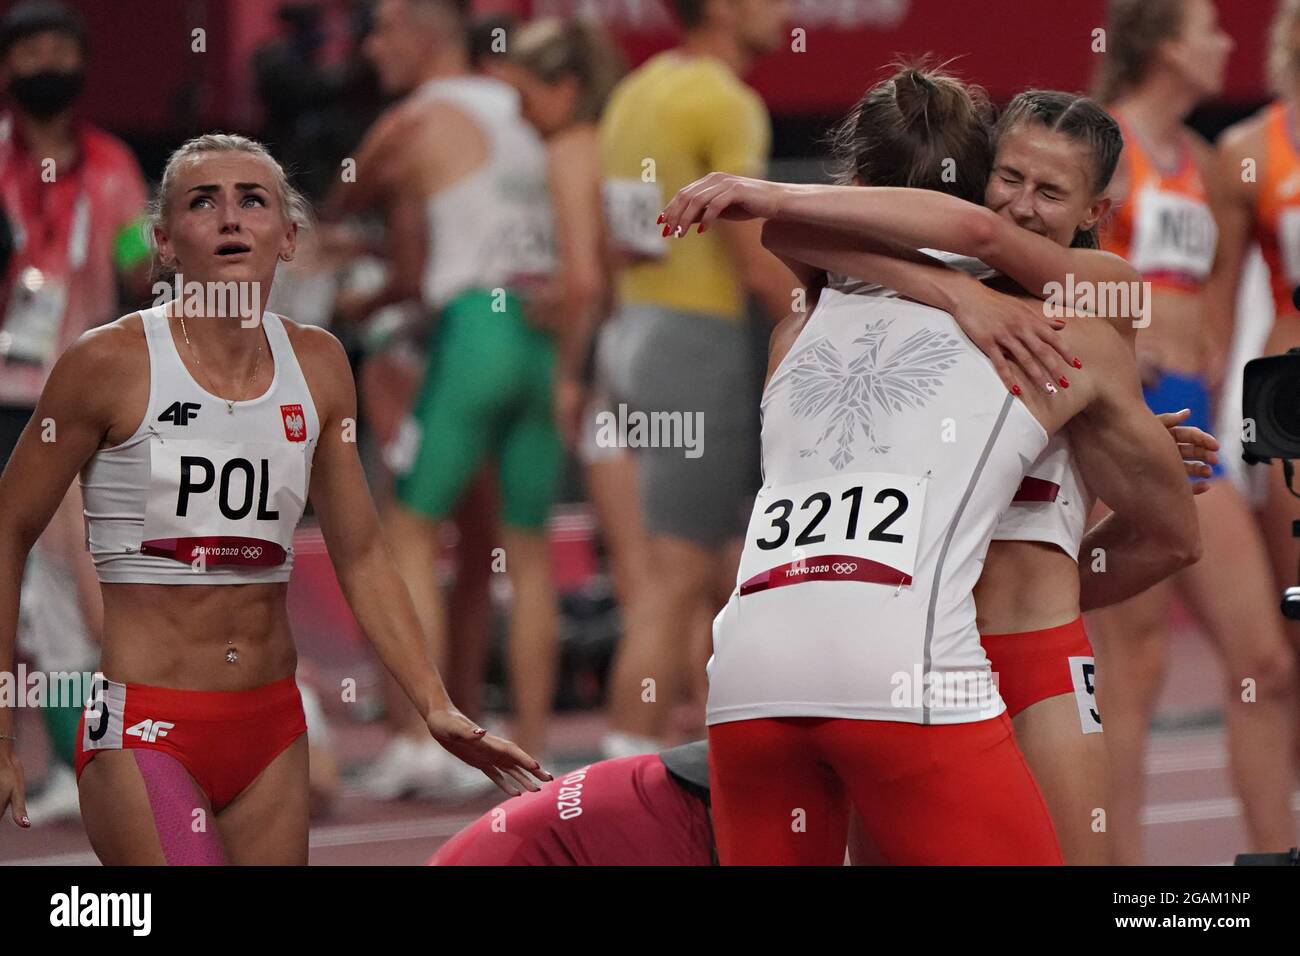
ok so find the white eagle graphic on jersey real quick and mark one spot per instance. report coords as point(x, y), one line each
point(850, 395)
point(294, 423)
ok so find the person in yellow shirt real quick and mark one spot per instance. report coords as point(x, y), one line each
point(675, 358)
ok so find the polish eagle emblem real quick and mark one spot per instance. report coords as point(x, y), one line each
point(295, 426)
point(850, 396)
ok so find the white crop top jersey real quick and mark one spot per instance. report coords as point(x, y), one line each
point(1052, 502)
point(890, 447)
point(496, 226)
point(202, 494)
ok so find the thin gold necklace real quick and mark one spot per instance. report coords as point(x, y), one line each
point(257, 365)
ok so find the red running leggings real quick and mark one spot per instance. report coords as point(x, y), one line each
point(927, 794)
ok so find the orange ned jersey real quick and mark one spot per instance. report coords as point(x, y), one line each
point(1277, 213)
point(1163, 224)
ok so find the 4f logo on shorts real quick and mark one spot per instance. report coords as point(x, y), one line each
point(295, 426)
point(149, 730)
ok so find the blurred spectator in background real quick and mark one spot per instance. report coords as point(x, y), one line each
point(461, 180)
point(678, 341)
point(564, 72)
point(74, 199)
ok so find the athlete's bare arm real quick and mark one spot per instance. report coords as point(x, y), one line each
point(1129, 460)
point(416, 150)
point(762, 274)
point(405, 250)
point(1005, 328)
point(365, 184)
point(1232, 182)
point(76, 411)
point(366, 572)
point(574, 176)
point(915, 218)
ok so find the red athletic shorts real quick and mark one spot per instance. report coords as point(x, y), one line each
point(782, 789)
point(1035, 665)
point(224, 739)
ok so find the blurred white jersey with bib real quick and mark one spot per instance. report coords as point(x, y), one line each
point(890, 450)
point(495, 227)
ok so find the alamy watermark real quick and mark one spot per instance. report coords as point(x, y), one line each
point(638, 429)
point(26, 688)
point(1103, 300)
point(241, 299)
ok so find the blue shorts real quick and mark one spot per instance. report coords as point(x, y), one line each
point(1173, 393)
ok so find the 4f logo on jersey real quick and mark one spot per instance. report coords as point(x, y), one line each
point(180, 413)
point(295, 426)
point(149, 730)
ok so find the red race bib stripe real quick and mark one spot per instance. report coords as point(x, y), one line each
point(1037, 489)
point(826, 567)
point(217, 550)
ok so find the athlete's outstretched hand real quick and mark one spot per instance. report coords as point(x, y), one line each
point(503, 763)
point(1014, 333)
point(1198, 448)
point(12, 793)
point(720, 195)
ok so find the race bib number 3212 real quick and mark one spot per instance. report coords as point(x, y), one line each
point(857, 527)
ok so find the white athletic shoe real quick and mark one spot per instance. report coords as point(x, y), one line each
point(617, 744)
point(406, 766)
point(57, 800)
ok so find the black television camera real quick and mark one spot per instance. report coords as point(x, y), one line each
point(1270, 408)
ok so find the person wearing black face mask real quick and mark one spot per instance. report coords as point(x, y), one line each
point(73, 198)
point(47, 93)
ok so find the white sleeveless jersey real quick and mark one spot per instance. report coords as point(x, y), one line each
point(202, 494)
point(1052, 502)
point(890, 447)
point(494, 228)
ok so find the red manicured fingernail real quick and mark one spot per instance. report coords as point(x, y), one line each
point(1076, 363)
point(1065, 382)
point(661, 220)
point(1015, 389)
point(666, 231)
point(700, 230)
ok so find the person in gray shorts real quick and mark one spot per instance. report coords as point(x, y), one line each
point(678, 358)
point(685, 383)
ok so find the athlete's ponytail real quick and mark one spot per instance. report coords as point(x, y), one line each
point(921, 128)
point(1134, 31)
point(1081, 119)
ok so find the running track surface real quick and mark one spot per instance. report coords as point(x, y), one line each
point(1191, 816)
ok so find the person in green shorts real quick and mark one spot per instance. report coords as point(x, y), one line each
point(486, 395)
point(462, 178)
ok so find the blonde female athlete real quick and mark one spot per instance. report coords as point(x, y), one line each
point(201, 428)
